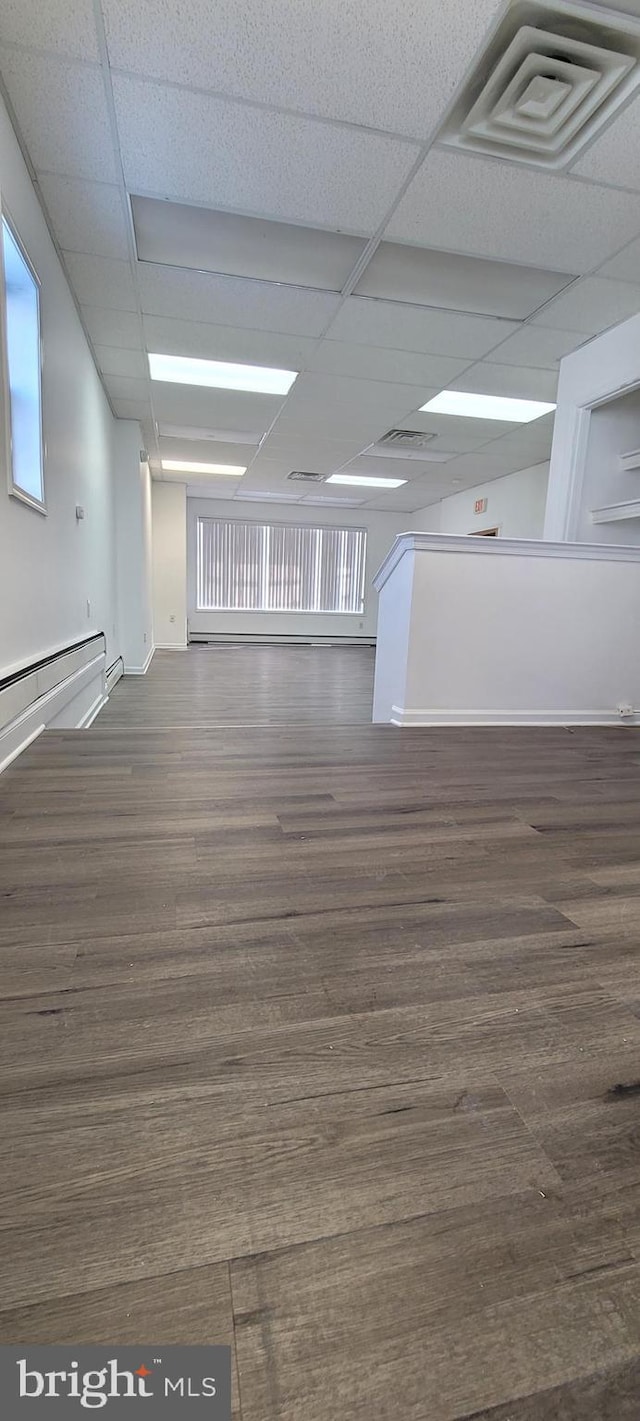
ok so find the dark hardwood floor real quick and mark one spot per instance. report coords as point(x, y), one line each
point(323, 1039)
point(248, 684)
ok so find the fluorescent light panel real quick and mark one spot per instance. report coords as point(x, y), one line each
point(361, 482)
point(219, 375)
point(462, 402)
point(184, 466)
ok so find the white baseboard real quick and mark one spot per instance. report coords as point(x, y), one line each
point(94, 710)
point(140, 670)
point(402, 716)
point(171, 646)
point(18, 748)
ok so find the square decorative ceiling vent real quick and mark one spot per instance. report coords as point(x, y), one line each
point(404, 439)
point(551, 77)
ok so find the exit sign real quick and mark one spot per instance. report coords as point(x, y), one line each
point(480, 505)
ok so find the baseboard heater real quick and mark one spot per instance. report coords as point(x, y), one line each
point(113, 674)
point(236, 639)
point(37, 695)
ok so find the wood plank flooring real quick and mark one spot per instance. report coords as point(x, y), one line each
point(323, 1039)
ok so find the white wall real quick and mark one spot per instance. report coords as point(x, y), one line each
point(508, 632)
point(515, 504)
point(605, 368)
point(169, 519)
point(381, 531)
point(134, 539)
point(57, 575)
point(614, 428)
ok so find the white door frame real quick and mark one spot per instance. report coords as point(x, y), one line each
point(604, 369)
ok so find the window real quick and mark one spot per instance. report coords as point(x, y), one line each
point(21, 330)
point(250, 567)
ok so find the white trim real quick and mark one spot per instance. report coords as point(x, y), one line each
point(140, 670)
point(586, 384)
point(39, 505)
point(24, 745)
point(171, 646)
point(629, 461)
point(499, 547)
point(274, 639)
point(616, 512)
point(402, 716)
point(92, 712)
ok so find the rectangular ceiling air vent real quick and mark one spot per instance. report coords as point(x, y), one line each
point(551, 77)
point(404, 439)
point(301, 477)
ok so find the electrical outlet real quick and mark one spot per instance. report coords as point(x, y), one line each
point(172, 617)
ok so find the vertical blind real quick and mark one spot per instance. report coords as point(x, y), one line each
point(251, 567)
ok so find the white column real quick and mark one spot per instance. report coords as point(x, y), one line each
point(133, 542)
point(169, 562)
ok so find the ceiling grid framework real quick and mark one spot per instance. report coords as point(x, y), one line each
point(414, 267)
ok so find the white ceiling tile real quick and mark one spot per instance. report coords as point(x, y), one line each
point(205, 239)
point(231, 301)
point(592, 306)
point(626, 266)
point(424, 277)
point(615, 157)
point(487, 464)
point(332, 392)
point(514, 381)
point(386, 66)
point(535, 346)
point(400, 327)
point(122, 387)
point(377, 468)
point(114, 360)
point(256, 162)
point(370, 362)
point(207, 451)
point(105, 327)
point(513, 213)
point(214, 409)
point(132, 409)
point(66, 27)
point(315, 454)
point(455, 432)
point(62, 112)
point(100, 281)
point(204, 342)
point(86, 217)
point(305, 422)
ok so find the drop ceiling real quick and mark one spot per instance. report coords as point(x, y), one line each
point(285, 196)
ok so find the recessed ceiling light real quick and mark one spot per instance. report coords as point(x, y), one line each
point(257, 379)
point(259, 496)
point(462, 402)
point(360, 481)
point(184, 466)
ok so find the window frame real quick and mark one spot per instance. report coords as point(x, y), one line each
point(15, 490)
point(280, 611)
